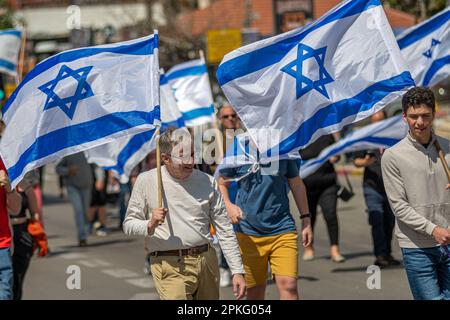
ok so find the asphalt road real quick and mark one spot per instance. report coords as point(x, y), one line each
point(112, 267)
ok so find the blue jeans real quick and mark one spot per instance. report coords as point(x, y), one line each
point(428, 271)
point(6, 274)
point(381, 219)
point(125, 188)
point(80, 199)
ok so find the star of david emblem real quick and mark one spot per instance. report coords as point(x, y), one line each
point(303, 83)
point(68, 104)
point(429, 52)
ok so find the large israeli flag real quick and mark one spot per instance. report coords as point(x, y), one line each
point(383, 134)
point(123, 155)
point(10, 41)
point(80, 99)
point(292, 88)
point(426, 48)
point(190, 83)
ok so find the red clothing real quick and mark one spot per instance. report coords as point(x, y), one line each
point(5, 231)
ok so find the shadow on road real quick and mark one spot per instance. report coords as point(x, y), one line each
point(51, 199)
point(310, 279)
point(363, 269)
point(101, 243)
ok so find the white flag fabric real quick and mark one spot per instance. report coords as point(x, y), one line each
point(190, 83)
point(292, 88)
point(243, 152)
point(426, 48)
point(10, 41)
point(123, 155)
point(383, 134)
point(80, 99)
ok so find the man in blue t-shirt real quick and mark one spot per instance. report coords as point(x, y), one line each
point(264, 225)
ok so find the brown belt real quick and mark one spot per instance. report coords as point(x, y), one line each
point(182, 252)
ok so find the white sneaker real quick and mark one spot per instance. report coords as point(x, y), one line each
point(225, 278)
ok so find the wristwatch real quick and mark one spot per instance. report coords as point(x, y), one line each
point(305, 215)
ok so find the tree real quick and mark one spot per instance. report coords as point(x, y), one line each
point(422, 9)
point(6, 15)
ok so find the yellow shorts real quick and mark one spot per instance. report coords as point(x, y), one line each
point(281, 251)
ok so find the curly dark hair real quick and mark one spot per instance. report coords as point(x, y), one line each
point(417, 96)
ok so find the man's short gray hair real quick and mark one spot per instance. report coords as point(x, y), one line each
point(171, 138)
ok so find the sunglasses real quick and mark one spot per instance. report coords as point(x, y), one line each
point(228, 116)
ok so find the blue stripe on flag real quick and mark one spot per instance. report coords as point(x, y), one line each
point(145, 47)
point(11, 32)
point(197, 113)
point(191, 71)
point(163, 80)
point(435, 67)
point(271, 54)
point(79, 134)
point(423, 30)
point(7, 65)
point(179, 123)
point(130, 149)
point(336, 112)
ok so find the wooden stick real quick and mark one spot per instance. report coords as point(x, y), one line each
point(217, 132)
point(22, 56)
point(219, 141)
point(158, 167)
point(442, 157)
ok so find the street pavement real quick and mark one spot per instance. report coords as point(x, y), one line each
point(112, 267)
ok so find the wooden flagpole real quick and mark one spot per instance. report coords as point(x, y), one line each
point(158, 167)
point(218, 134)
point(21, 57)
point(442, 158)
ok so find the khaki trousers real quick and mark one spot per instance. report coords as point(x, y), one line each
point(187, 277)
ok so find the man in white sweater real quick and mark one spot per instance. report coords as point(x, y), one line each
point(418, 191)
point(183, 263)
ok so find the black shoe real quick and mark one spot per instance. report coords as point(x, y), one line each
point(82, 243)
point(392, 261)
point(382, 262)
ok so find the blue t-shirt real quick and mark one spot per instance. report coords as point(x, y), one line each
point(263, 198)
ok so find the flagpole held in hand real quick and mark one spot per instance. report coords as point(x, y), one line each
point(447, 172)
point(218, 135)
point(158, 167)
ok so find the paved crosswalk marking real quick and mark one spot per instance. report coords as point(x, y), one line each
point(121, 273)
point(141, 282)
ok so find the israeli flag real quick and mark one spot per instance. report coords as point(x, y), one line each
point(426, 48)
point(123, 155)
point(190, 84)
point(295, 87)
point(80, 99)
point(383, 134)
point(10, 41)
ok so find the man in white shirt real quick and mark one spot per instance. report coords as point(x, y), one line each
point(183, 263)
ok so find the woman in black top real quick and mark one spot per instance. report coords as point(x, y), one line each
point(23, 240)
point(322, 190)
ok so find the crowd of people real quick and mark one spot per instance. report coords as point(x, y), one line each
point(248, 212)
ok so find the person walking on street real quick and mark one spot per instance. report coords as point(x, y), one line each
point(381, 218)
point(264, 226)
point(418, 191)
point(77, 175)
point(322, 191)
point(12, 201)
point(183, 262)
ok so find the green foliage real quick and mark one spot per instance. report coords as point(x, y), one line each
point(6, 16)
point(413, 6)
